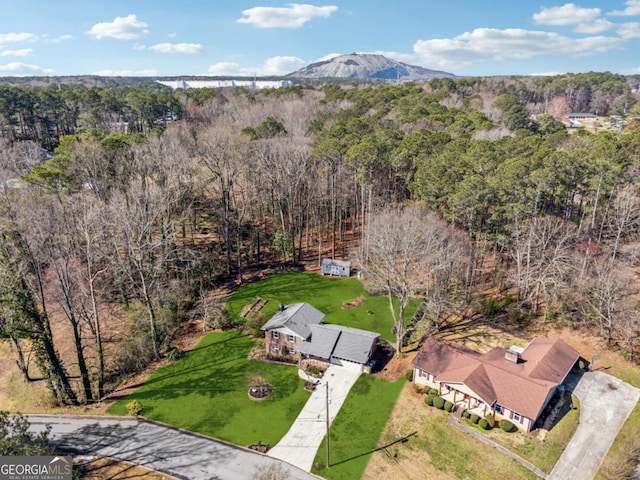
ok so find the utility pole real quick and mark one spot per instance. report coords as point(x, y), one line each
point(328, 418)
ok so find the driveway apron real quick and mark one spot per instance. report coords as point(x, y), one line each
point(299, 446)
point(605, 404)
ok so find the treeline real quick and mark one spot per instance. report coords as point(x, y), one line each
point(112, 240)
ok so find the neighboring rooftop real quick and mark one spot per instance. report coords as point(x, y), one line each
point(522, 385)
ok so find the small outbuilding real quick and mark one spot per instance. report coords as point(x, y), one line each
point(341, 268)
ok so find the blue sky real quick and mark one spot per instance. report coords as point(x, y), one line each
point(235, 37)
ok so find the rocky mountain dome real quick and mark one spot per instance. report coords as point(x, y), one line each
point(364, 65)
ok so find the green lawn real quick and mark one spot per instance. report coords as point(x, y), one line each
point(324, 293)
point(206, 392)
point(357, 428)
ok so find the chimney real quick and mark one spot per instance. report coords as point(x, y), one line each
point(511, 355)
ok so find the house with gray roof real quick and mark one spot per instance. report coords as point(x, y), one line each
point(297, 330)
point(337, 344)
point(289, 327)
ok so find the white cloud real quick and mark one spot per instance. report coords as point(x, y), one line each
point(230, 68)
point(16, 37)
point(294, 15)
point(598, 25)
point(126, 73)
point(139, 46)
point(172, 35)
point(280, 65)
point(24, 69)
point(632, 71)
point(183, 48)
point(488, 44)
point(122, 28)
point(61, 38)
point(567, 14)
point(23, 52)
point(628, 30)
point(633, 9)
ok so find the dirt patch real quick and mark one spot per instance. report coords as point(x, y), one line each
point(397, 367)
point(354, 302)
point(111, 469)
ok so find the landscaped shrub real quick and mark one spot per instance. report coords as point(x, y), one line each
point(467, 414)
point(429, 400)
point(474, 418)
point(448, 406)
point(417, 388)
point(483, 424)
point(438, 402)
point(491, 421)
point(408, 375)
point(506, 425)
point(433, 392)
point(134, 408)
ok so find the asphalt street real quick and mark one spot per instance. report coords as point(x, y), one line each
point(158, 447)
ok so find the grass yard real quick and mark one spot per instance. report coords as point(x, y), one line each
point(357, 428)
point(543, 454)
point(206, 392)
point(324, 293)
point(438, 450)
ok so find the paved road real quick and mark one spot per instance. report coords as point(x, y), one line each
point(605, 404)
point(299, 446)
point(161, 448)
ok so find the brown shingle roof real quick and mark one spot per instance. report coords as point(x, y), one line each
point(523, 387)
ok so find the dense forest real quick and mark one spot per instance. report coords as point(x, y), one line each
point(123, 206)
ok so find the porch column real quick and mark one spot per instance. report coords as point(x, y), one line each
point(469, 403)
point(454, 395)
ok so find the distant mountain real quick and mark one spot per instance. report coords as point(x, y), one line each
point(364, 65)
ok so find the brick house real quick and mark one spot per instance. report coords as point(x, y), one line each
point(289, 327)
point(297, 330)
point(515, 383)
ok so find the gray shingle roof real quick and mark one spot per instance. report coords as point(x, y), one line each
point(342, 342)
point(296, 317)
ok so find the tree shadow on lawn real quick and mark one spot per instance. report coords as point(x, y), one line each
point(229, 350)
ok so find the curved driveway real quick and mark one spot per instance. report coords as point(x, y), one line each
point(158, 447)
point(605, 404)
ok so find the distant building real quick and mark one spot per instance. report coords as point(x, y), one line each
point(340, 268)
point(582, 116)
point(256, 84)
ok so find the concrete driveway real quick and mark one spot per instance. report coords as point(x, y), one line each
point(605, 404)
point(299, 446)
point(161, 448)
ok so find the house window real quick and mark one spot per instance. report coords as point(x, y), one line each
point(275, 335)
point(424, 374)
point(517, 417)
point(499, 409)
point(291, 338)
point(275, 347)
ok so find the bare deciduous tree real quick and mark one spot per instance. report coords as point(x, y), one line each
point(410, 253)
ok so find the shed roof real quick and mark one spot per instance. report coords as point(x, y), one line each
point(297, 317)
point(338, 263)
